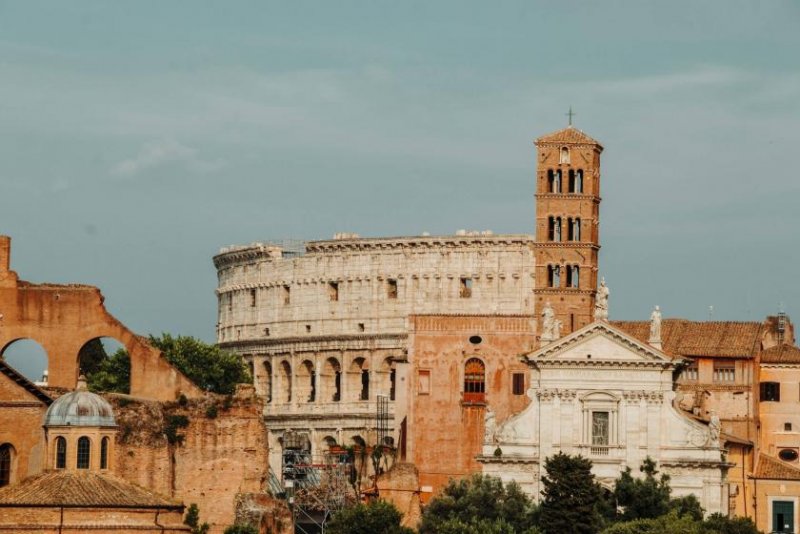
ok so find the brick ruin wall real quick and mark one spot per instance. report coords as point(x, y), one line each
point(218, 458)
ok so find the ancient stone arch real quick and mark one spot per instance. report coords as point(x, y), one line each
point(62, 318)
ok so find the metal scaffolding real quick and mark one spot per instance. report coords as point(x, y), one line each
point(316, 485)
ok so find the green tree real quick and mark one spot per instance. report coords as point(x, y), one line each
point(688, 505)
point(91, 357)
point(666, 524)
point(643, 498)
point(379, 517)
point(241, 529)
point(208, 366)
point(720, 524)
point(570, 497)
point(112, 373)
point(192, 520)
point(479, 500)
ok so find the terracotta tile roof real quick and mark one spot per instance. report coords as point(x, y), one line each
point(23, 382)
point(781, 354)
point(81, 489)
point(680, 337)
point(774, 469)
point(568, 135)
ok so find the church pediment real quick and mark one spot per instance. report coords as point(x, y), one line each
point(599, 343)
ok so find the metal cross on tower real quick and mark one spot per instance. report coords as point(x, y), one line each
point(570, 114)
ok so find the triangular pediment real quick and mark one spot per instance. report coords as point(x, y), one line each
point(599, 342)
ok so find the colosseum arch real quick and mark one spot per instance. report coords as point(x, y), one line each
point(62, 318)
point(286, 381)
point(28, 357)
point(386, 378)
point(331, 378)
point(358, 379)
point(306, 382)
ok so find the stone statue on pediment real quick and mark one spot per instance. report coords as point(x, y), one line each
point(549, 324)
point(601, 302)
point(655, 327)
point(714, 429)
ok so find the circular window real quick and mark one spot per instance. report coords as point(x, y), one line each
point(475, 340)
point(788, 455)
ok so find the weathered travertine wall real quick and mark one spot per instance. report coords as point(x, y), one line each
point(326, 328)
point(218, 457)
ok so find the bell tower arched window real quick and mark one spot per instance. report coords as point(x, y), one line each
point(474, 381)
point(573, 276)
point(578, 181)
point(564, 155)
point(554, 275)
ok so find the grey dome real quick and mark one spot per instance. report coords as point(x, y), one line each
point(80, 408)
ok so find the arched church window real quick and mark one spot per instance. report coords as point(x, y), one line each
point(571, 181)
point(5, 464)
point(564, 156)
point(104, 454)
point(474, 380)
point(576, 229)
point(573, 276)
point(61, 453)
point(579, 181)
point(557, 229)
point(84, 452)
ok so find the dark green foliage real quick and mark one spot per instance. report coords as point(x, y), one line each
point(171, 426)
point(719, 524)
point(688, 505)
point(192, 520)
point(666, 524)
point(643, 498)
point(378, 517)
point(91, 357)
point(182, 400)
point(110, 374)
point(211, 411)
point(479, 501)
point(570, 497)
point(241, 529)
point(208, 366)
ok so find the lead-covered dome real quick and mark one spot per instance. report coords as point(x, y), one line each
point(80, 408)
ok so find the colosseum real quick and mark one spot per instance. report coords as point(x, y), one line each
point(325, 327)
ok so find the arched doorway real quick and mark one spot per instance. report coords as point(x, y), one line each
point(28, 358)
point(106, 364)
point(6, 464)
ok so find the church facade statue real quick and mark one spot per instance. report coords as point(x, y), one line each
point(655, 327)
point(601, 302)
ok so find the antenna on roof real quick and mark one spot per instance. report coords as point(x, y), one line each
point(570, 114)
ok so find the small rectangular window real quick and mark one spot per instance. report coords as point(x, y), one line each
point(724, 372)
point(391, 288)
point(230, 301)
point(252, 298)
point(308, 329)
point(465, 288)
point(770, 391)
point(266, 332)
point(287, 295)
point(424, 382)
point(787, 427)
point(518, 383)
point(333, 291)
point(360, 327)
point(690, 373)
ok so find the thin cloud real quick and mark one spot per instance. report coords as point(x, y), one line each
point(156, 154)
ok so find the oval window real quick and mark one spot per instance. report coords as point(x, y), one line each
point(788, 455)
point(475, 340)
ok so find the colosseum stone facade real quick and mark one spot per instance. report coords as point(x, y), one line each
point(325, 326)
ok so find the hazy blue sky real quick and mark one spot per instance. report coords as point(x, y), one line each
point(136, 138)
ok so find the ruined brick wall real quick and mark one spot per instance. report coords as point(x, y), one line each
point(63, 318)
point(445, 426)
point(218, 457)
point(400, 486)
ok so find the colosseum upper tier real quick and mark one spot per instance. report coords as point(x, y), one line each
point(324, 325)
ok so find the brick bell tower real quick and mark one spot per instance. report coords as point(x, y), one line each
point(567, 225)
